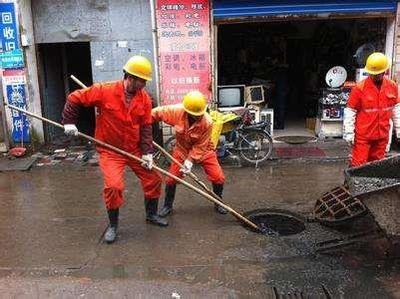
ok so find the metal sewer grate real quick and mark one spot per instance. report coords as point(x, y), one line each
point(338, 205)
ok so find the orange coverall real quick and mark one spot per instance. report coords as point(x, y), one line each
point(374, 109)
point(193, 143)
point(121, 126)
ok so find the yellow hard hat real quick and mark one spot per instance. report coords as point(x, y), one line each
point(194, 103)
point(377, 63)
point(139, 66)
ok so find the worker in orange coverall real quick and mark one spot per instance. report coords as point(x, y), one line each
point(373, 102)
point(124, 121)
point(193, 145)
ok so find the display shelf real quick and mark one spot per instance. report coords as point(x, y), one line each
point(330, 112)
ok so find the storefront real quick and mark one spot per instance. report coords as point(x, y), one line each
point(251, 43)
point(287, 47)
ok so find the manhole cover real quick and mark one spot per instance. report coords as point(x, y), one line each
point(276, 222)
point(296, 139)
point(338, 207)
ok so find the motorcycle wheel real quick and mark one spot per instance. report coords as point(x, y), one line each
point(255, 146)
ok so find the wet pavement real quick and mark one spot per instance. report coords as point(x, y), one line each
point(52, 220)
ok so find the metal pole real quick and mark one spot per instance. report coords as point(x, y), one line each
point(191, 174)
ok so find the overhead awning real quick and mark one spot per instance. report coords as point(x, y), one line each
point(248, 8)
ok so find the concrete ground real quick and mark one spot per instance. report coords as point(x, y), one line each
point(52, 220)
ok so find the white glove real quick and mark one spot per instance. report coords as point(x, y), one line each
point(396, 119)
point(187, 167)
point(71, 130)
point(148, 161)
point(349, 120)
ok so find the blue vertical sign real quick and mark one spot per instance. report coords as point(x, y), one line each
point(20, 126)
point(12, 61)
point(8, 28)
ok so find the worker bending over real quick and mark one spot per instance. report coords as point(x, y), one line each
point(192, 128)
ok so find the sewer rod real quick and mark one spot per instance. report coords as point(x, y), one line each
point(133, 157)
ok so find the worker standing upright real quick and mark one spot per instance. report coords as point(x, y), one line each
point(193, 129)
point(124, 121)
point(373, 102)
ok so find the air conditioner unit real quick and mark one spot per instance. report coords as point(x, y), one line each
point(267, 115)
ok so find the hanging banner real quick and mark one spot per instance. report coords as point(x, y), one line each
point(14, 89)
point(8, 28)
point(184, 48)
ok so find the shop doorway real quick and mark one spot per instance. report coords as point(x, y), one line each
point(291, 59)
point(57, 61)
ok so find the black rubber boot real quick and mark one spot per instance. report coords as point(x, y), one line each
point(168, 201)
point(217, 189)
point(111, 232)
point(151, 212)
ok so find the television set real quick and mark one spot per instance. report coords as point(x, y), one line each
point(254, 94)
point(230, 97)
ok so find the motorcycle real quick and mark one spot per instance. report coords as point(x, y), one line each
point(235, 137)
point(240, 137)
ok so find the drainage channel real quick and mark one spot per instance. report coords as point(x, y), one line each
point(274, 222)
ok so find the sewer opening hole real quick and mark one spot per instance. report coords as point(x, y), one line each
point(277, 224)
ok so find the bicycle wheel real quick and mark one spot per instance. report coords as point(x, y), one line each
point(255, 146)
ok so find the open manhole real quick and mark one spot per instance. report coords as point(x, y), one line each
point(276, 222)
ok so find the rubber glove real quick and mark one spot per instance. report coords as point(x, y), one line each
point(187, 167)
point(349, 119)
point(148, 161)
point(396, 119)
point(70, 130)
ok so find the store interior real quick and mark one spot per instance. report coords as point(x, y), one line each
point(291, 59)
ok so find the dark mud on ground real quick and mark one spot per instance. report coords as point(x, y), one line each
point(53, 218)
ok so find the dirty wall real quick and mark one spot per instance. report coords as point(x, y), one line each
point(116, 30)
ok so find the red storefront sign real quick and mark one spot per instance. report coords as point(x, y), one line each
point(184, 48)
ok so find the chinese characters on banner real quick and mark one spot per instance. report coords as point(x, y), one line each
point(8, 26)
point(14, 84)
point(11, 55)
point(184, 48)
point(12, 63)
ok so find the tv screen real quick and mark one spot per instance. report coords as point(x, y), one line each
point(231, 96)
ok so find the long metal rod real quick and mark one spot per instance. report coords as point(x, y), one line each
point(133, 157)
point(191, 174)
